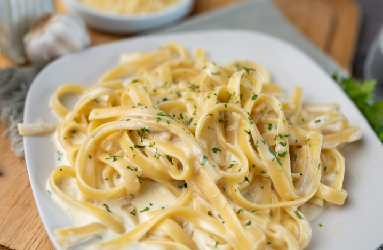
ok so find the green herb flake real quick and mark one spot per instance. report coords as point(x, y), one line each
point(170, 159)
point(204, 160)
point(298, 215)
point(146, 209)
point(283, 154)
point(283, 144)
point(107, 208)
point(133, 212)
point(190, 121)
point(215, 150)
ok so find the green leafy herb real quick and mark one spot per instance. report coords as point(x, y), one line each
point(283, 144)
point(204, 160)
point(135, 80)
point(170, 159)
point(133, 212)
point(231, 165)
point(361, 93)
point(146, 209)
point(216, 73)
point(298, 215)
point(107, 208)
point(215, 150)
point(248, 69)
point(248, 223)
point(190, 121)
point(283, 154)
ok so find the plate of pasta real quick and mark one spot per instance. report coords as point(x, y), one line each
point(202, 140)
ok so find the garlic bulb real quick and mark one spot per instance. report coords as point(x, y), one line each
point(53, 36)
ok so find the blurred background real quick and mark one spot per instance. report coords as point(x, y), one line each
point(344, 29)
point(340, 35)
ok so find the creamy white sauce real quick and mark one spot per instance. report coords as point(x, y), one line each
point(150, 193)
point(312, 211)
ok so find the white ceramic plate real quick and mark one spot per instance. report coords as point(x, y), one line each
point(125, 24)
point(355, 225)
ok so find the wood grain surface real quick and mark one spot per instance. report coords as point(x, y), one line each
point(330, 24)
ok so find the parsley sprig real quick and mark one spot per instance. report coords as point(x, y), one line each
point(361, 93)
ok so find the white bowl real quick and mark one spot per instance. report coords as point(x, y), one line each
point(125, 24)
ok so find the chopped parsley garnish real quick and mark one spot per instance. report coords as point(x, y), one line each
point(283, 144)
point(204, 160)
point(139, 146)
point(270, 127)
point(283, 154)
point(128, 167)
point(170, 159)
point(298, 215)
point(216, 244)
point(134, 80)
point(254, 97)
point(316, 121)
point(231, 165)
point(190, 121)
point(90, 157)
point(248, 223)
point(263, 142)
point(320, 224)
point(112, 157)
point(216, 73)
point(279, 161)
point(248, 69)
point(263, 172)
point(239, 210)
point(287, 135)
point(139, 179)
point(247, 179)
point(146, 209)
point(107, 208)
point(133, 212)
point(215, 150)
point(272, 152)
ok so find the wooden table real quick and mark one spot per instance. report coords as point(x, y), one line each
point(330, 24)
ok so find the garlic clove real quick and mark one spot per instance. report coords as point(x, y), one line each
point(53, 36)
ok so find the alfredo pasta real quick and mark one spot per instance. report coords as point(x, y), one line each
point(130, 6)
point(241, 163)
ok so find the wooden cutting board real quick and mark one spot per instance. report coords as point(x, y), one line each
point(330, 24)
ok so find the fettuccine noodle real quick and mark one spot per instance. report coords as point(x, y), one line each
point(244, 161)
point(130, 6)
